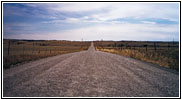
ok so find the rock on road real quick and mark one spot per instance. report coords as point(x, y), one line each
point(89, 73)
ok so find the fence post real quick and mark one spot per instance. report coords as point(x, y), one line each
point(145, 47)
point(155, 46)
point(23, 50)
point(45, 51)
point(114, 44)
point(39, 50)
point(33, 48)
point(9, 47)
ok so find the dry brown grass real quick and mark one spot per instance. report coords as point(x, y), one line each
point(23, 50)
point(167, 57)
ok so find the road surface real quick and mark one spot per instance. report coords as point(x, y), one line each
point(89, 73)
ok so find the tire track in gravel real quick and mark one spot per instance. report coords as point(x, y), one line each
point(144, 77)
point(19, 76)
point(159, 79)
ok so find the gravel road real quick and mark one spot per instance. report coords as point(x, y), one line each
point(89, 73)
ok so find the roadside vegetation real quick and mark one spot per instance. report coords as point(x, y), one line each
point(165, 54)
point(18, 51)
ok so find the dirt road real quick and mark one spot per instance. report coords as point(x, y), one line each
point(90, 73)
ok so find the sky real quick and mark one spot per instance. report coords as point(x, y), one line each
point(91, 21)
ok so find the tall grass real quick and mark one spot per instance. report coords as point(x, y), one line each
point(23, 50)
point(166, 57)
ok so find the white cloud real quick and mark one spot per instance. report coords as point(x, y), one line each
point(111, 32)
point(148, 22)
point(106, 11)
point(72, 20)
point(140, 10)
point(85, 17)
point(75, 7)
point(67, 20)
point(102, 14)
point(75, 20)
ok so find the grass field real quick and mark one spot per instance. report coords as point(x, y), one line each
point(165, 54)
point(27, 50)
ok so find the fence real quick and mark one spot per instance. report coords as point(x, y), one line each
point(155, 46)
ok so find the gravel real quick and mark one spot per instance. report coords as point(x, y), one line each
point(90, 73)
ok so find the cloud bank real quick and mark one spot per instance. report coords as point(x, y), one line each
point(92, 21)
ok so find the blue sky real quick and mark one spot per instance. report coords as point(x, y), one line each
point(91, 21)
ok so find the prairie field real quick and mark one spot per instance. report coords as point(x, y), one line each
point(165, 54)
point(18, 51)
